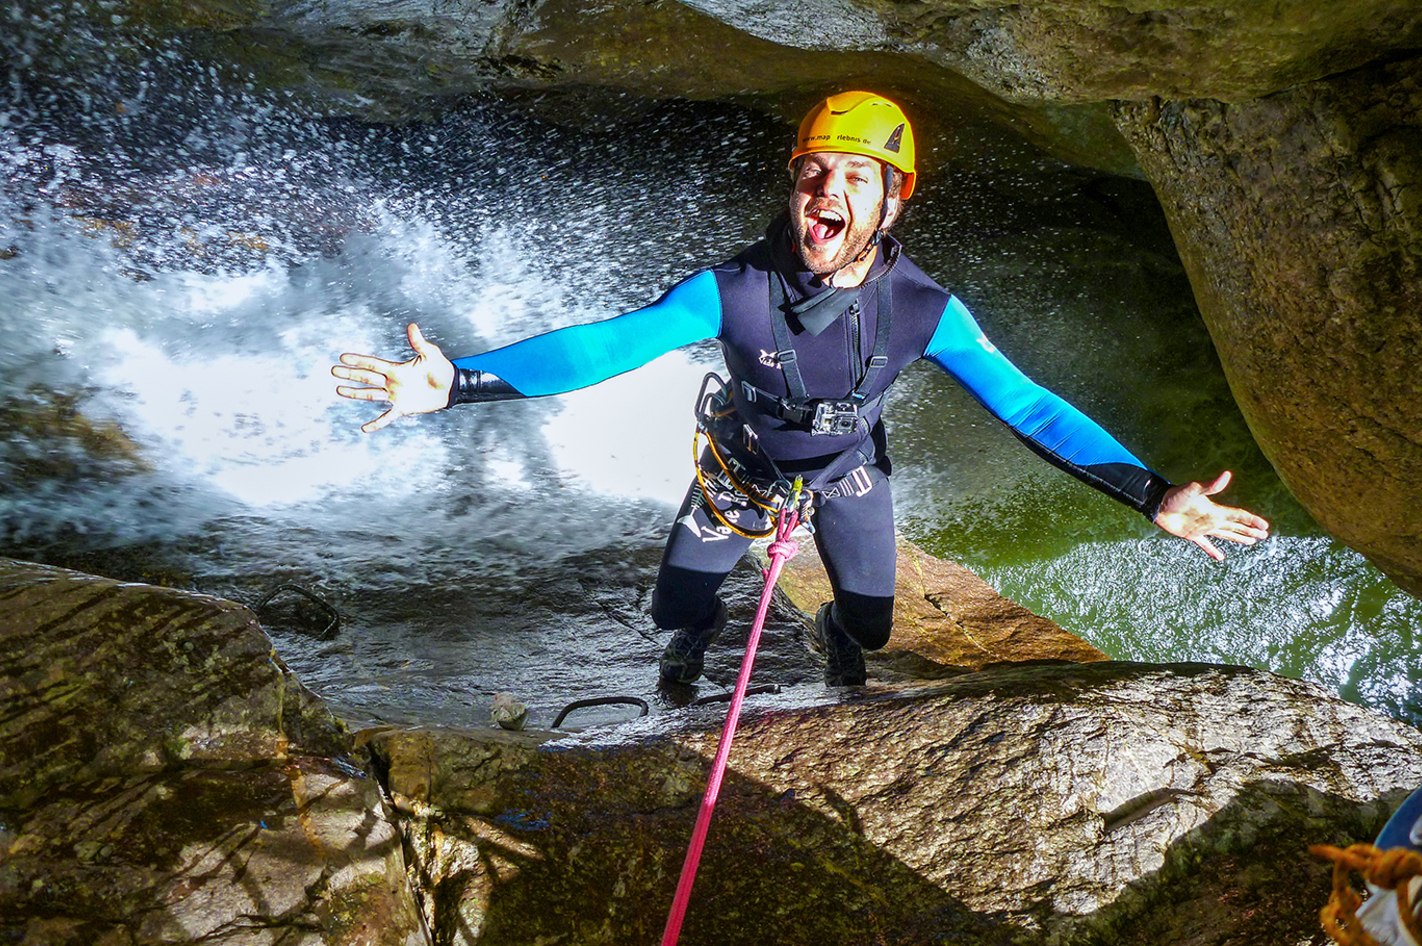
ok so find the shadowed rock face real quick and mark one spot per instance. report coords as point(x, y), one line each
point(1299, 219)
point(1087, 51)
point(1055, 51)
point(1085, 803)
point(196, 683)
point(164, 778)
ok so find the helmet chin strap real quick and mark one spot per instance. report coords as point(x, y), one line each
point(879, 231)
point(874, 241)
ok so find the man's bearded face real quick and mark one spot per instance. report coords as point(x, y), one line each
point(835, 208)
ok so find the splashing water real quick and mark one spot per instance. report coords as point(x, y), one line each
point(177, 277)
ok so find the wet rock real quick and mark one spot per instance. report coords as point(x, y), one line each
point(1098, 802)
point(1299, 220)
point(164, 778)
point(50, 438)
point(946, 619)
point(1084, 50)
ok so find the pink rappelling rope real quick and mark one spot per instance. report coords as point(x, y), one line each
point(782, 549)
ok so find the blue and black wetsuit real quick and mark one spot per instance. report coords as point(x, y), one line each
point(790, 344)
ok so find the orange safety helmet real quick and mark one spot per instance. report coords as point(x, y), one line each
point(859, 123)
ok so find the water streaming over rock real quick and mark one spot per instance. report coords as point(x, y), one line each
point(181, 259)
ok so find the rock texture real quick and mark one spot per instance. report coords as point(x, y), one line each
point(599, 61)
point(164, 779)
point(1091, 803)
point(1299, 219)
point(1083, 50)
point(946, 619)
point(1061, 51)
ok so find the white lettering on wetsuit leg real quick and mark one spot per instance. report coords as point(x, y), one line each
point(708, 534)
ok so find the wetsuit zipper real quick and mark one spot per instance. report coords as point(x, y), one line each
point(855, 356)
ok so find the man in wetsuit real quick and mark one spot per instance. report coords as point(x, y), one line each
point(815, 320)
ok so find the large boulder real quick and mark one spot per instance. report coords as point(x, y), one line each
point(1065, 804)
point(165, 779)
point(1299, 219)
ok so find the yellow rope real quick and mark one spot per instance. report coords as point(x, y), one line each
point(1388, 870)
point(707, 416)
point(765, 503)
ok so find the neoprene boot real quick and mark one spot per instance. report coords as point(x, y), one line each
point(686, 651)
point(844, 658)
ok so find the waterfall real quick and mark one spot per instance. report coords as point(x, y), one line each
point(182, 258)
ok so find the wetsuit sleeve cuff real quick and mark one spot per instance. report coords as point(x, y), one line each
point(472, 386)
point(1155, 491)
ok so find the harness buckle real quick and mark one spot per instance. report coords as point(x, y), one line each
point(853, 484)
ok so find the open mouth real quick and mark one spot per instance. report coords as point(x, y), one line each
point(825, 225)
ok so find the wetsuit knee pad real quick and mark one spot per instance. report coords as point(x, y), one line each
point(868, 620)
point(684, 598)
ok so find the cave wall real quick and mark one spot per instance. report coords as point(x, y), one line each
point(1298, 216)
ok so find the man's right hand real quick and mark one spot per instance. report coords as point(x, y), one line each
point(417, 386)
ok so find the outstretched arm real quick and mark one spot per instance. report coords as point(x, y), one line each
point(1188, 512)
point(561, 360)
point(417, 386)
point(1046, 424)
point(577, 356)
point(1073, 442)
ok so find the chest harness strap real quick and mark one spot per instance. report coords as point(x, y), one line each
point(846, 474)
point(824, 415)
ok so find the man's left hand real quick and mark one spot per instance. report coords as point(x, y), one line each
point(1188, 512)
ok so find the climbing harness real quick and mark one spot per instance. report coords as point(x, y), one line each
point(824, 416)
point(726, 433)
point(781, 550)
point(717, 421)
point(1390, 870)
